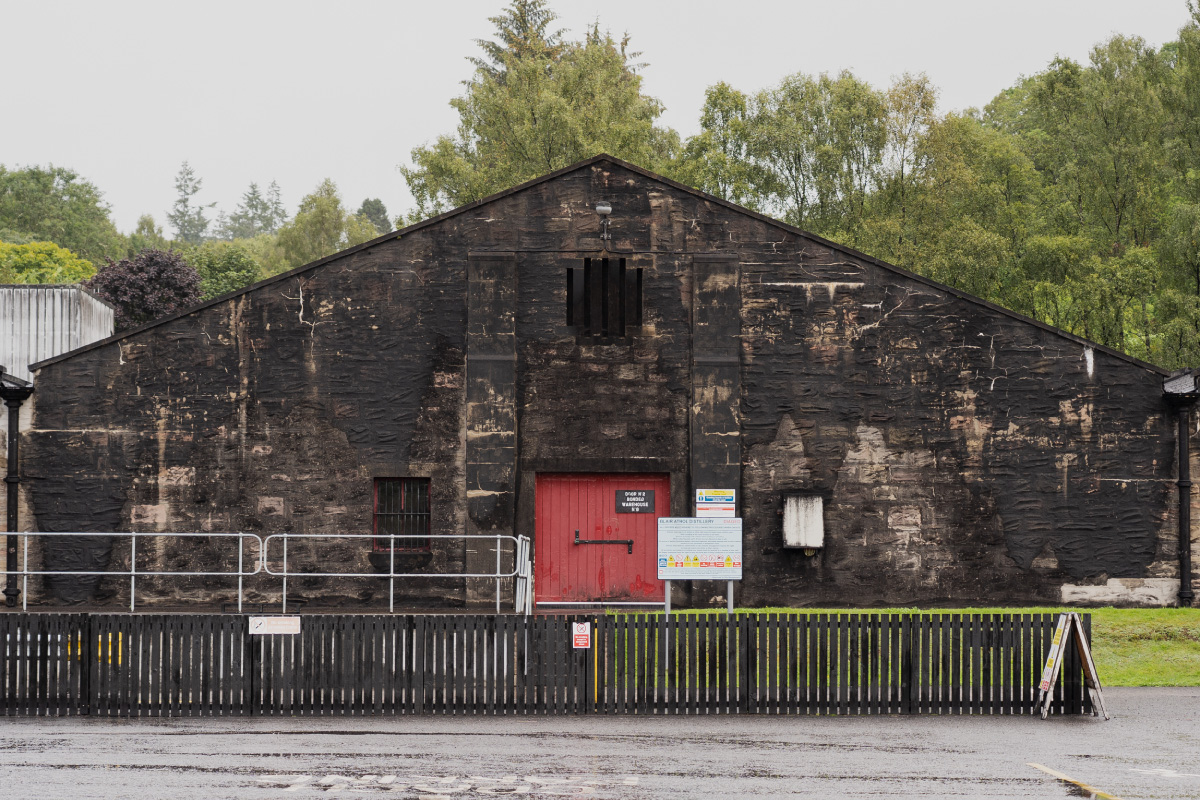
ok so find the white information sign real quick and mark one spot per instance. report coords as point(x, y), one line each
point(581, 635)
point(275, 625)
point(699, 548)
point(716, 502)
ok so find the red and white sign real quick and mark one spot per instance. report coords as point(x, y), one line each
point(581, 635)
point(716, 503)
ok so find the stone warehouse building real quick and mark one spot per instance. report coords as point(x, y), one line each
point(522, 363)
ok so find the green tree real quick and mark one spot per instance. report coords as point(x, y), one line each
point(187, 216)
point(785, 141)
point(1096, 134)
point(147, 235)
point(53, 204)
point(522, 33)
point(911, 106)
point(322, 227)
point(818, 145)
point(717, 160)
point(255, 214)
point(223, 267)
point(543, 112)
point(1181, 99)
point(42, 262)
point(376, 213)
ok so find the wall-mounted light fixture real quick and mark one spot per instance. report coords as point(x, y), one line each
point(604, 208)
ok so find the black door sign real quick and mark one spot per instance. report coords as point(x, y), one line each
point(635, 501)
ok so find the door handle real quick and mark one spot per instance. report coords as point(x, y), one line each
point(626, 542)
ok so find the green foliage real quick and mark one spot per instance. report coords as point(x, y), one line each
point(548, 107)
point(254, 215)
point(14, 237)
point(223, 267)
point(188, 217)
point(1074, 196)
point(320, 228)
point(717, 160)
point(147, 235)
point(42, 262)
point(374, 211)
point(266, 252)
point(523, 31)
point(53, 204)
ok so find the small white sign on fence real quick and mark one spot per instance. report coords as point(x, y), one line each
point(288, 626)
point(581, 635)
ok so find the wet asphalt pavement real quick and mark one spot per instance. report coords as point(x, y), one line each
point(1149, 749)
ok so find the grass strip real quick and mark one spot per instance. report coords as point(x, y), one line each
point(1131, 646)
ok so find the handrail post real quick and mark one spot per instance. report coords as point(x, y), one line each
point(392, 573)
point(25, 575)
point(285, 572)
point(241, 546)
point(497, 572)
point(132, 570)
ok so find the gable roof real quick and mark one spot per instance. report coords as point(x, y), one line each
point(604, 157)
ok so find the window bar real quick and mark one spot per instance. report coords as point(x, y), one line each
point(587, 296)
point(595, 296)
point(605, 311)
point(622, 295)
point(570, 296)
point(632, 300)
point(638, 299)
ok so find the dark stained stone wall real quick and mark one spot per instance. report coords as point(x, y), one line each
point(964, 455)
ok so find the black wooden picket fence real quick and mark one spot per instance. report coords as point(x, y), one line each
point(860, 663)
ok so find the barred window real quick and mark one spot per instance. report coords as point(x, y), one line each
point(604, 298)
point(402, 517)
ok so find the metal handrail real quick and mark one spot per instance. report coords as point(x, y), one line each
point(133, 572)
point(522, 566)
point(391, 574)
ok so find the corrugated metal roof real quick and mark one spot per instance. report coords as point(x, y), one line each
point(40, 321)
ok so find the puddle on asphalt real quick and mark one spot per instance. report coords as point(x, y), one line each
point(443, 787)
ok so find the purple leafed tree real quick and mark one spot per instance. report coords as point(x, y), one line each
point(152, 284)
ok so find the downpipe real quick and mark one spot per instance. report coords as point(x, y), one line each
point(14, 392)
point(1185, 505)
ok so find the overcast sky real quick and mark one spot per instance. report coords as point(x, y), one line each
point(249, 90)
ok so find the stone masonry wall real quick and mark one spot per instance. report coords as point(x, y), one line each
point(963, 455)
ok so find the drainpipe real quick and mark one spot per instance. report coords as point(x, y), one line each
point(1185, 506)
point(1183, 389)
point(14, 392)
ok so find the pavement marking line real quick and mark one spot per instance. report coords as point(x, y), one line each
point(1094, 791)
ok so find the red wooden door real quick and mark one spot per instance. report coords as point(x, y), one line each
point(567, 572)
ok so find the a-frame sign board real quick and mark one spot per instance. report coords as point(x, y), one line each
point(1070, 626)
